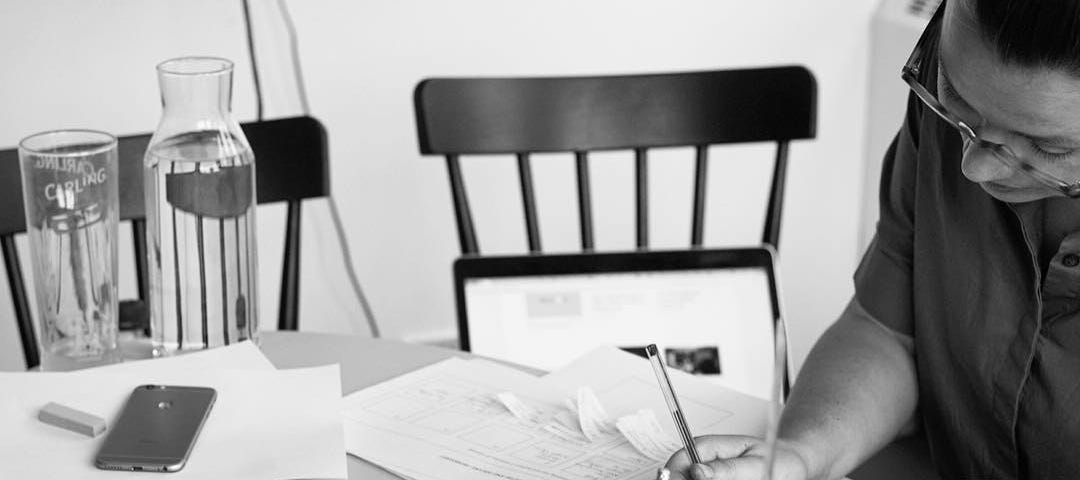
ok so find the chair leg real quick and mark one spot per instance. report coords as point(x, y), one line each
point(289, 305)
point(21, 303)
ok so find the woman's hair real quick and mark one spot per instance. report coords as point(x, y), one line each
point(1032, 33)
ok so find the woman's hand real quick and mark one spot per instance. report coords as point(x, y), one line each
point(735, 457)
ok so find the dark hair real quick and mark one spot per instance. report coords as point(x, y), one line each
point(1033, 33)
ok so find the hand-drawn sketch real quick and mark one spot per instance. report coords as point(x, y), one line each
point(479, 420)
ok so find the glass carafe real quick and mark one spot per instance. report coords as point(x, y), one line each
point(199, 174)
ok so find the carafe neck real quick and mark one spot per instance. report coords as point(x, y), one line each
point(196, 89)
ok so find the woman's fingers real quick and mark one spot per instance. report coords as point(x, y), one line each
point(712, 447)
point(723, 456)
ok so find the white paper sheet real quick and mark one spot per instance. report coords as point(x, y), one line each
point(592, 417)
point(625, 383)
point(644, 432)
point(446, 421)
point(442, 422)
point(265, 424)
point(520, 409)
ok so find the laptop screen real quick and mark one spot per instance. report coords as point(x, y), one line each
point(709, 321)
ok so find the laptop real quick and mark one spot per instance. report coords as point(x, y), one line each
point(711, 312)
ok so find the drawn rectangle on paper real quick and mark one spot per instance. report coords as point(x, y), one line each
point(628, 454)
point(482, 405)
point(600, 468)
point(447, 422)
point(397, 407)
point(438, 391)
point(546, 453)
point(637, 388)
point(497, 437)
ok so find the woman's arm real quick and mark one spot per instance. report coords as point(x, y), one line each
point(856, 392)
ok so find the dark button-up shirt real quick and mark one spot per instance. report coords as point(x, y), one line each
point(996, 339)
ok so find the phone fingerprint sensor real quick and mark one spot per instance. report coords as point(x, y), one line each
point(164, 405)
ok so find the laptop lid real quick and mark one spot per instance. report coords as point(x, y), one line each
point(712, 312)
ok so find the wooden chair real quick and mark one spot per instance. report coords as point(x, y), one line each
point(292, 161)
point(520, 116)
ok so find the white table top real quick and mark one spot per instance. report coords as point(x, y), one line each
point(364, 362)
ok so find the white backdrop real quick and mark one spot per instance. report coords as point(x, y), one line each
point(89, 63)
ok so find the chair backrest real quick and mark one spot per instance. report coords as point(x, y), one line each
point(465, 116)
point(292, 164)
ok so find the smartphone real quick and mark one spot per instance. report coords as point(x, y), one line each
point(157, 428)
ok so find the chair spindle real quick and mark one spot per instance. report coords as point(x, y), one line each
point(700, 175)
point(581, 158)
point(466, 230)
point(776, 197)
point(528, 200)
point(641, 174)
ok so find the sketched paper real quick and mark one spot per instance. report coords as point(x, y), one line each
point(475, 419)
point(645, 434)
point(591, 415)
point(520, 409)
point(447, 422)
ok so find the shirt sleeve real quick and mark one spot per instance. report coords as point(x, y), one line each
point(883, 280)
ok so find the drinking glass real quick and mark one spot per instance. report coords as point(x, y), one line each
point(71, 202)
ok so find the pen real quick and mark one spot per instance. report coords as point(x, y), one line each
point(672, 402)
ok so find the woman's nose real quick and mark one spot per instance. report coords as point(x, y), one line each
point(982, 164)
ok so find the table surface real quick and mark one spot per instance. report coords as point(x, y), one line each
point(366, 361)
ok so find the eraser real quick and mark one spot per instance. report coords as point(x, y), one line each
point(70, 419)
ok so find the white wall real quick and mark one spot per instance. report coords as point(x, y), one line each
point(90, 63)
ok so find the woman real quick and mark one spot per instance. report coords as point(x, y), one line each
point(965, 324)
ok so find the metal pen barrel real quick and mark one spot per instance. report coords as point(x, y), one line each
point(673, 403)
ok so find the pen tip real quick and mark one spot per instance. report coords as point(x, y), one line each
point(651, 349)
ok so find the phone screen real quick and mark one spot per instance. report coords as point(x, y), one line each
point(156, 429)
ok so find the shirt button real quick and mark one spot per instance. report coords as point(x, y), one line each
point(1070, 260)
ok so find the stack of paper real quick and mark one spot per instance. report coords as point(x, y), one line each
point(602, 417)
point(265, 424)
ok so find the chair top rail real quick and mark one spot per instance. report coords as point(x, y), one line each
point(555, 114)
point(291, 158)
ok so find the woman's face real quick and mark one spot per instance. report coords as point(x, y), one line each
point(1034, 111)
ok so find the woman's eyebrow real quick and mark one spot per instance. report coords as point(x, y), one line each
point(949, 85)
point(1051, 140)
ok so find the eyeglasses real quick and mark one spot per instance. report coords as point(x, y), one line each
point(1002, 153)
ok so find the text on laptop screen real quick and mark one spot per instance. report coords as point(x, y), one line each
point(710, 321)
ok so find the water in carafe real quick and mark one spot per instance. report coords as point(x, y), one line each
point(207, 248)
